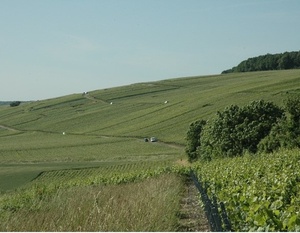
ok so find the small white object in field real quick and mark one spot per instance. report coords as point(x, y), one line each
point(110, 102)
point(64, 133)
point(153, 139)
point(166, 101)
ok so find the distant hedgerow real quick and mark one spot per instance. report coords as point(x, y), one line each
point(15, 103)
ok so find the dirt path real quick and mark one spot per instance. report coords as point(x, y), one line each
point(192, 215)
point(88, 96)
point(8, 128)
point(170, 144)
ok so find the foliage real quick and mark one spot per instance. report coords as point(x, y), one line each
point(280, 61)
point(292, 106)
point(285, 134)
point(193, 139)
point(261, 192)
point(238, 129)
point(15, 103)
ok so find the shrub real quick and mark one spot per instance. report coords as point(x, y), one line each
point(15, 103)
point(292, 106)
point(193, 139)
point(238, 129)
point(285, 134)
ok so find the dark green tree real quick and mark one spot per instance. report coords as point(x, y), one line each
point(287, 60)
point(15, 103)
point(292, 106)
point(238, 129)
point(193, 139)
point(285, 134)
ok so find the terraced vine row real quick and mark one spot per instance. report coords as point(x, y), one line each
point(114, 174)
point(261, 193)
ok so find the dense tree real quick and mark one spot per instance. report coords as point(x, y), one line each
point(193, 139)
point(237, 129)
point(287, 60)
point(292, 106)
point(15, 103)
point(259, 126)
point(285, 134)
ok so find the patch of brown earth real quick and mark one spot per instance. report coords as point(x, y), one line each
point(192, 215)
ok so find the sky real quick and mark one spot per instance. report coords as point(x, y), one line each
point(51, 48)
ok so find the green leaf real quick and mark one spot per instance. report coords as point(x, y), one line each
point(260, 219)
point(292, 221)
point(276, 212)
point(276, 205)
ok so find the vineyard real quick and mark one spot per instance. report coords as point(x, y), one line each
point(260, 192)
point(66, 161)
point(114, 174)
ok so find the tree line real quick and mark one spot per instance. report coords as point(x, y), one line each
point(260, 126)
point(279, 61)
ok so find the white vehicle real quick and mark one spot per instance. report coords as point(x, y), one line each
point(153, 139)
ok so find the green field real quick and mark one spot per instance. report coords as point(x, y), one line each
point(104, 130)
point(98, 132)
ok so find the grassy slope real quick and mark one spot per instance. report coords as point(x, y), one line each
point(102, 208)
point(98, 132)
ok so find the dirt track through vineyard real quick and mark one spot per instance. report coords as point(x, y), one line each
point(192, 215)
point(169, 144)
point(8, 128)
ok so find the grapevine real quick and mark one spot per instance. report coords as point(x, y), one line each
point(261, 193)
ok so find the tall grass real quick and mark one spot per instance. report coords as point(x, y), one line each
point(150, 205)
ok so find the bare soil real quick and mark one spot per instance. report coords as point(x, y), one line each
point(192, 215)
point(7, 128)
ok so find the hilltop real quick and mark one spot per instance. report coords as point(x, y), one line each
point(163, 108)
point(279, 61)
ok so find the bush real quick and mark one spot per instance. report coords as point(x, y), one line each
point(238, 129)
point(292, 106)
point(15, 103)
point(259, 126)
point(286, 134)
point(193, 139)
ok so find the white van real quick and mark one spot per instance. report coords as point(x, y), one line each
point(153, 139)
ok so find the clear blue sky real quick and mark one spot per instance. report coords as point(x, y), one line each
point(50, 48)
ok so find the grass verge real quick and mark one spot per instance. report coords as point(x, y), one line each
point(150, 205)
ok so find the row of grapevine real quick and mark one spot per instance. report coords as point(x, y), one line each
point(261, 192)
point(111, 174)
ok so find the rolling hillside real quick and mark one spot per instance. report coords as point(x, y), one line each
point(108, 126)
